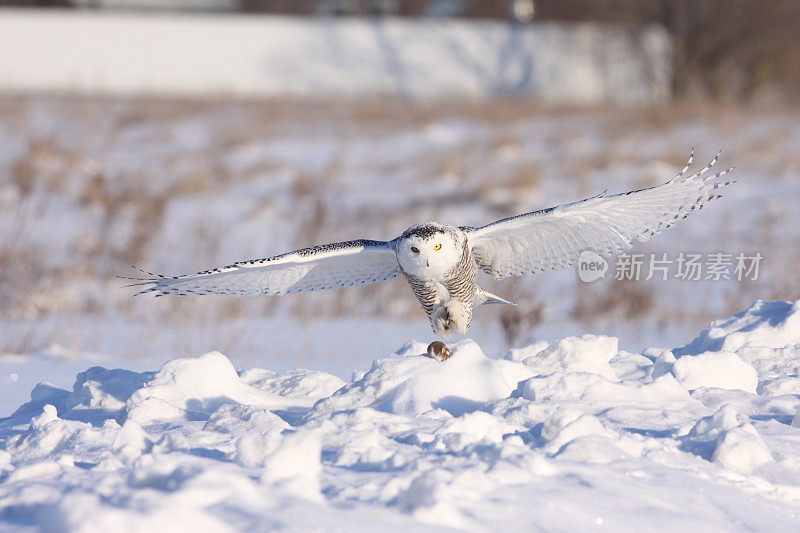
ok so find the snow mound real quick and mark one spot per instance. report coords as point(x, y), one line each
point(99, 388)
point(769, 324)
point(765, 337)
point(715, 369)
point(581, 386)
point(294, 465)
point(297, 383)
point(566, 426)
point(408, 385)
point(194, 388)
point(470, 429)
point(734, 445)
point(520, 354)
point(712, 426)
point(50, 438)
point(741, 449)
point(589, 353)
point(243, 419)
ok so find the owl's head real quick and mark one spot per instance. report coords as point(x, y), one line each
point(429, 250)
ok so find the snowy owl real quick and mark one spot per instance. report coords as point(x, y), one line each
point(441, 262)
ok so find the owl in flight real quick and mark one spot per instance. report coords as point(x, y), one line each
point(441, 262)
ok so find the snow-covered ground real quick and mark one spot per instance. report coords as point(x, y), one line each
point(572, 435)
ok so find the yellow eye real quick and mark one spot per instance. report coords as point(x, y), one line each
point(415, 249)
point(437, 247)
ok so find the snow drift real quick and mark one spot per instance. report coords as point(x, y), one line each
point(560, 436)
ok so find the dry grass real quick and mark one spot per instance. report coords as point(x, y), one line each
point(126, 180)
point(622, 300)
point(517, 323)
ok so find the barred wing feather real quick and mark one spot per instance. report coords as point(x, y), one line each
point(555, 237)
point(327, 266)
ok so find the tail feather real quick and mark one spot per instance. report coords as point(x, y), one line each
point(482, 296)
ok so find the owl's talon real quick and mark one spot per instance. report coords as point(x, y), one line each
point(441, 321)
point(439, 351)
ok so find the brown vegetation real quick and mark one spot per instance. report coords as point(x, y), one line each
point(119, 170)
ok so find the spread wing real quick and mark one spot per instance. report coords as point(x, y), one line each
point(555, 237)
point(328, 266)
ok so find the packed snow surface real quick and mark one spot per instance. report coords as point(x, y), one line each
point(562, 436)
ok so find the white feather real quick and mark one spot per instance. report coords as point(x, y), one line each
point(554, 238)
point(328, 266)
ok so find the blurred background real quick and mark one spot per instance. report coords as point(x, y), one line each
point(181, 135)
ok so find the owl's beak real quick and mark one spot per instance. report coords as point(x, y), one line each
point(428, 262)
